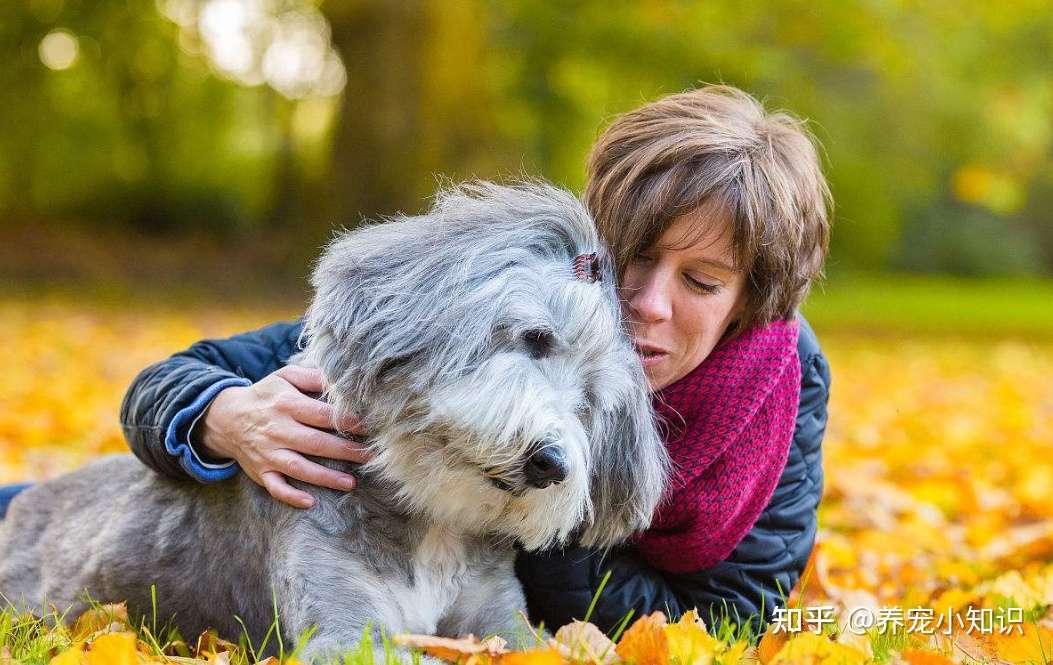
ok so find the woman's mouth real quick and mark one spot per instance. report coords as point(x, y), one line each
point(650, 355)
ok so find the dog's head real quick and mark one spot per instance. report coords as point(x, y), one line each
point(491, 368)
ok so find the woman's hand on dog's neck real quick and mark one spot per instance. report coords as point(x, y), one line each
point(268, 427)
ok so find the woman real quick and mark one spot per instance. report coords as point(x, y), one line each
point(716, 214)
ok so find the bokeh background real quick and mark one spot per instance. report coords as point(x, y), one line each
point(249, 128)
point(168, 170)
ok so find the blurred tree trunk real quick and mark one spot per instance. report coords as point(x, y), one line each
point(1037, 215)
point(377, 167)
point(286, 209)
point(22, 80)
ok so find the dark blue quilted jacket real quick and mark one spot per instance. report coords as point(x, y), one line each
point(165, 400)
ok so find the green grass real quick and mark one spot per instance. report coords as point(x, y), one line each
point(30, 639)
point(33, 640)
point(932, 305)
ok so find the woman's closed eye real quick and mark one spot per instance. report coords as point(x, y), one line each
point(701, 286)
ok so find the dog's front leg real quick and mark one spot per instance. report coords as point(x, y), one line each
point(490, 602)
point(338, 599)
point(322, 591)
point(340, 619)
point(327, 647)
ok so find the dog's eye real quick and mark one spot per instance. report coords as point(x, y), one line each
point(539, 343)
point(581, 409)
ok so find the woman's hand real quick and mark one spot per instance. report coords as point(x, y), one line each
point(268, 426)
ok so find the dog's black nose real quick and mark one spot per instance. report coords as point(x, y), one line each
point(546, 467)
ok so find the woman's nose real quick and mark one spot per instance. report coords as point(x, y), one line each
point(650, 301)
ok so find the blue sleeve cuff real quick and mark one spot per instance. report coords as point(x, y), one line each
point(177, 438)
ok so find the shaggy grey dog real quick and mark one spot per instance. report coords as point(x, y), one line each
point(482, 345)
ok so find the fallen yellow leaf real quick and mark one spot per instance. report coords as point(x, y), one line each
point(812, 649)
point(952, 600)
point(770, 645)
point(925, 658)
point(104, 618)
point(689, 643)
point(645, 642)
point(533, 657)
point(581, 641)
point(209, 642)
point(734, 654)
point(113, 649)
point(452, 649)
point(70, 657)
point(1034, 645)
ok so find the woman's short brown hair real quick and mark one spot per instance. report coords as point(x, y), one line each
point(717, 144)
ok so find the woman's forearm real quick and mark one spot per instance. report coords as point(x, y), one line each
point(165, 399)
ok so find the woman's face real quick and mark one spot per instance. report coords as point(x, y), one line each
point(680, 298)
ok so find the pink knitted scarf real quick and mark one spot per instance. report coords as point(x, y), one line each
point(727, 425)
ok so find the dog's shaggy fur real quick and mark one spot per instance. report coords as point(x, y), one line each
point(506, 404)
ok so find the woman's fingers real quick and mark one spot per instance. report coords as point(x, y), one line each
point(311, 411)
point(297, 466)
point(305, 379)
point(280, 489)
point(316, 442)
point(272, 424)
point(337, 447)
point(316, 413)
point(307, 410)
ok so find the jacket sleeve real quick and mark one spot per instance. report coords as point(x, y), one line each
point(167, 398)
point(747, 586)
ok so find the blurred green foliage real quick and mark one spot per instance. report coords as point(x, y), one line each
point(229, 118)
point(902, 305)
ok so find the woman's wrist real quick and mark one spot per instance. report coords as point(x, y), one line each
point(210, 438)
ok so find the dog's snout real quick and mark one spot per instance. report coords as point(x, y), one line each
point(547, 466)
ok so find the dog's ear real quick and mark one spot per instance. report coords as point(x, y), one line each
point(365, 285)
point(630, 467)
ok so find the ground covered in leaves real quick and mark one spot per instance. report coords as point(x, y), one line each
point(936, 528)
